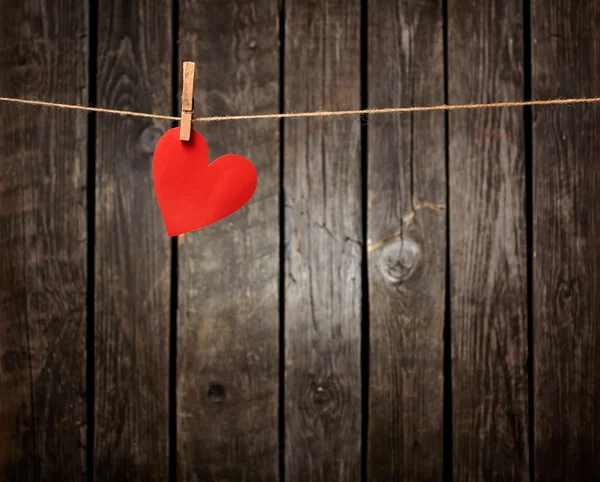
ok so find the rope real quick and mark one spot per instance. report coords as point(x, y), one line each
point(321, 113)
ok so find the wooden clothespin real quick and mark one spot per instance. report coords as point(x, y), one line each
point(187, 101)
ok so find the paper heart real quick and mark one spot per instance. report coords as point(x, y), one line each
point(192, 193)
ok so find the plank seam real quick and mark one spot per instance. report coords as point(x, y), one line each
point(365, 305)
point(91, 236)
point(174, 273)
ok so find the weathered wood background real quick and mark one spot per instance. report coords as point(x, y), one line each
point(406, 297)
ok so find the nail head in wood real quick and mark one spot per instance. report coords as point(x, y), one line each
point(187, 101)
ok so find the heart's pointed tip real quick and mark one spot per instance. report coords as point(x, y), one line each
point(172, 234)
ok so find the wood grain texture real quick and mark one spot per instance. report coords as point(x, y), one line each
point(406, 168)
point(43, 242)
point(228, 331)
point(323, 239)
point(566, 233)
point(487, 244)
point(132, 247)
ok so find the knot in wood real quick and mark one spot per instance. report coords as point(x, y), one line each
point(399, 259)
point(321, 396)
point(567, 299)
point(148, 138)
point(216, 392)
point(324, 395)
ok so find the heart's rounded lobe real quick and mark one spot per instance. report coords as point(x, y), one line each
point(192, 193)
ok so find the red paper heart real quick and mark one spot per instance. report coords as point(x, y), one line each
point(192, 193)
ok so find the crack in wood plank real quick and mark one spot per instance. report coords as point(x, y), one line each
point(405, 220)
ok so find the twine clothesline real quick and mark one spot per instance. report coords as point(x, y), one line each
point(321, 113)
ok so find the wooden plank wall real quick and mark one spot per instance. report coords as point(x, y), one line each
point(323, 239)
point(406, 297)
point(406, 242)
point(43, 242)
point(488, 258)
point(132, 254)
point(228, 321)
point(566, 246)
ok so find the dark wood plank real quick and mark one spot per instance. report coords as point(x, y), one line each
point(406, 242)
point(566, 229)
point(132, 247)
point(487, 243)
point(227, 363)
point(43, 242)
point(323, 239)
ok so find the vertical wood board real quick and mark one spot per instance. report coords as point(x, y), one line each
point(566, 246)
point(487, 243)
point(323, 243)
point(132, 258)
point(406, 242)
point(228, 321)
point(43, 242)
